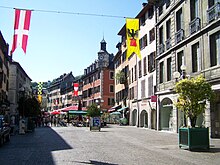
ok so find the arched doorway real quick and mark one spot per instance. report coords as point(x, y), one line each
point(153, 119)
point(134, 117)
point(166, 114)
point(144, 119)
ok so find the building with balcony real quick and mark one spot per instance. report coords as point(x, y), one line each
point(134, 94)
point(187, 42)
point(142, 79)
point(121, 71)
point(98, 80)
point(4, 76)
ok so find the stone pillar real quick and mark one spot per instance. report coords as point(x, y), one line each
point(207, 117)
point(175, 119)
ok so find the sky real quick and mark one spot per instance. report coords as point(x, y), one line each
point(60, 43)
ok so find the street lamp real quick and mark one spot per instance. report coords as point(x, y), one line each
point(183, 69)
point(178, 76)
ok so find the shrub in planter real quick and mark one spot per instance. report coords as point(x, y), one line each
point(193, 94)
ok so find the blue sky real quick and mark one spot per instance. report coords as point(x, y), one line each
point(60, 43)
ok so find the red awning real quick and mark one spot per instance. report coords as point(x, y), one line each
point(112, 109)
point(72, 108)
point(55, 112)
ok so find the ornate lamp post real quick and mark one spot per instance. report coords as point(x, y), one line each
point(178, 76)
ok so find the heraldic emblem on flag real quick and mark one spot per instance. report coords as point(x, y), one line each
point(21, 29)
point(76, 89)
point(132, 28)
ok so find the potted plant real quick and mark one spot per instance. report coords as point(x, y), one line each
point(193, 94)
point(94, 113)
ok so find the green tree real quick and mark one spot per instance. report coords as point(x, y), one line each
point(193, 94)
point(121, 77)
point(28, 107)
point(93, 111)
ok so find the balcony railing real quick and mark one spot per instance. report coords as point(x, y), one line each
point(213, 12)
point(161, 48)
point(194, 25)
point(179, 36)
point(168, 43)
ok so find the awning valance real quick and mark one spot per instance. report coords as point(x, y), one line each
point(122, 109)
point(115, 108)
point(78, 112)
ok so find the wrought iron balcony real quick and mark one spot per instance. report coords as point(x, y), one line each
point(194, 25)
point(161, 48)
point(213, 12)
point(179, 36)
point(168, 43)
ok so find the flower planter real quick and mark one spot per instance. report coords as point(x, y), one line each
point(194, 138)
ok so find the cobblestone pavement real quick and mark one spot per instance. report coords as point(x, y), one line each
point(115, 145)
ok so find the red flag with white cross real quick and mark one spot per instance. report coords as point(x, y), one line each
point(21, 29)
point(75, 89)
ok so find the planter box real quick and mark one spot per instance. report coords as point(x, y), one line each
point(194, 138)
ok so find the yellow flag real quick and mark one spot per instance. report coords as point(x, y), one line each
point(39, 97)
point(132, 28)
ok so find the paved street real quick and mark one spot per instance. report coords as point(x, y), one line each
point(113, 145)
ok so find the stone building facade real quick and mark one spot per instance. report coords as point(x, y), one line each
point(188, 43)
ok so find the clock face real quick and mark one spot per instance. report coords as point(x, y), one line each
point(101, 57)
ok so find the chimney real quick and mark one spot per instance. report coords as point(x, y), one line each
point(144, 4)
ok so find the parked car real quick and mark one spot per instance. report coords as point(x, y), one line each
point(4, 131)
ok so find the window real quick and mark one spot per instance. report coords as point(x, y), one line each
point(152, 35)
point(140, 69)
point(212, 2)
point(161, 72)
point(124, 56)
point(167, 3)
point(111, 88)
point(194, 9)
point(215, 49)
point(169, 69)
point(150, 86)
point(111, 75)
point(196, 59)
point(144, 65)
point(179, 20)
point(180, 59)
point(161, 35)
point(161, 7)
point(150, 12)
point(143, 42)
point(168, 29)
point(143, 89)
point(142, 20)
point(135, 72)
point(111, 101)
point(132, 75)
point(151, 62)
point(129, 77)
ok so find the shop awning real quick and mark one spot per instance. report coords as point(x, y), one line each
point(78, 112)
point(115, 108)
point(115, 113)
point(122, 109)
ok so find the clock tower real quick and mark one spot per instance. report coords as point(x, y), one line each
point(103, 55)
